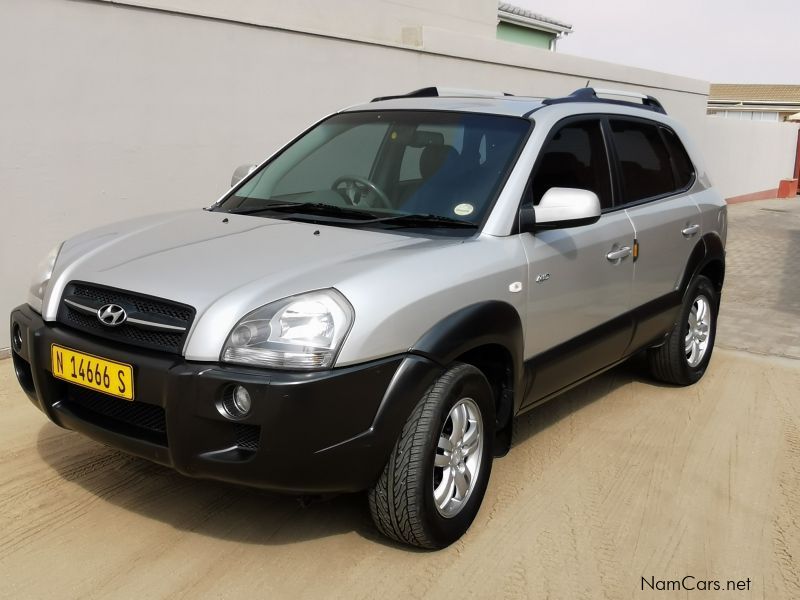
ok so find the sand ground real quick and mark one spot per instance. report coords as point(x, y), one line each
point(619, 479)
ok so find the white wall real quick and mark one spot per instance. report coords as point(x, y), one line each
point(109, 112)
point(744, 157)
point(379, 20)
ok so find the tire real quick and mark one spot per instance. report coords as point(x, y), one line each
point(402, 502)
point(672, 362)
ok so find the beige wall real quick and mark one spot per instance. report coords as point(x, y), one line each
point(744, 157)
point(110, 112)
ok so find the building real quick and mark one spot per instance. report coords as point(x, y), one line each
point(755, 102)
point(522, 26)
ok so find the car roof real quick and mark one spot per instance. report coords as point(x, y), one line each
point(516, 106)
point(580, 101)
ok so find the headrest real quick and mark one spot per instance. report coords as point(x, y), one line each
point(426, 138)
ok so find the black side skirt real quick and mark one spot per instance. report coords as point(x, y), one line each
point(554, 371)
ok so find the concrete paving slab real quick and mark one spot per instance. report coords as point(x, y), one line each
point(760, 309)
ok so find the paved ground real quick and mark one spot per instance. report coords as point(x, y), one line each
point(761, 303)
point(618, 480)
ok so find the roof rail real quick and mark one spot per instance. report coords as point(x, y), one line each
point(588, 94)
point(436, 92)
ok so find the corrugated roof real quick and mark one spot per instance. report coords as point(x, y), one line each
point(747, 92)
point(527, 14)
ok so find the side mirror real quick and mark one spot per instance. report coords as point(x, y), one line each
point(241, 172)
point(565, 207)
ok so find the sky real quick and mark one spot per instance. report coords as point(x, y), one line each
point(729, 41)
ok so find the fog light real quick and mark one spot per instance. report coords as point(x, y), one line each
point(16, 338)
point(236, 402)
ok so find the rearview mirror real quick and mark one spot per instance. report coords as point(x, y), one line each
point(567, 207)
point(241, 172)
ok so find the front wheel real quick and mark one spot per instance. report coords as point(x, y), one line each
point(433, 485)
point(684, 356)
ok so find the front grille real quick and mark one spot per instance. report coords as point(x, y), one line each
point(247, 436)
point(133, 418)
point(165, 341)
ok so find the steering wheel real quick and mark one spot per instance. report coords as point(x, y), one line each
point(355, 189)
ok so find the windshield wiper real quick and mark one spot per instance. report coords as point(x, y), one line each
point(423, 220)
point(314, 208)
point(362, 217)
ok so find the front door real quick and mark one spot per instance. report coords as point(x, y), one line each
point(580, 278)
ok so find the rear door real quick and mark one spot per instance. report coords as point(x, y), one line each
point(655, 176)
point(578, 297)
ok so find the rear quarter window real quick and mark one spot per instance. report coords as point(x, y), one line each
point(681, 163)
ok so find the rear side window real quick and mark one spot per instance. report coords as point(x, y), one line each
point(575, 157)
point(681, 163)
point(643, 160)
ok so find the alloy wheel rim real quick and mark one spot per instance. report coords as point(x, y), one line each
point(699, 333)
point(459, 453)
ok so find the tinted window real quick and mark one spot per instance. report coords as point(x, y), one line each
point(643, 159)
point(681, 163)
point(574, 158)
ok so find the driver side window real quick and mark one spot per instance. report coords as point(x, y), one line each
point(350, 153)
point(575, 157)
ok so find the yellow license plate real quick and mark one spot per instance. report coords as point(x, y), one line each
point(107, 376)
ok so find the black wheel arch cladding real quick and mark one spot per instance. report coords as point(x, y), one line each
point(708, 256)
point(480, 325)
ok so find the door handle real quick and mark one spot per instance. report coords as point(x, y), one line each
point(690, 230)
point(615, 255)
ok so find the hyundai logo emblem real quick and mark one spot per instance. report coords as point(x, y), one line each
point(112, 315)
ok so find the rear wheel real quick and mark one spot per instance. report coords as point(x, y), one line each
point(685, 354)
point(433, 485)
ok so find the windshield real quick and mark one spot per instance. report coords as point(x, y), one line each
point(396, 169)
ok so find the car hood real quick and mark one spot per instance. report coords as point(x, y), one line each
point(197, 257)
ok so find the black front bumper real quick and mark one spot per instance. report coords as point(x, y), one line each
point(314, 432)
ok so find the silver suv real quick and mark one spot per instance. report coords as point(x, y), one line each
point(370, 307)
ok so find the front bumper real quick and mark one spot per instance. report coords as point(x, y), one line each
point(313, 432)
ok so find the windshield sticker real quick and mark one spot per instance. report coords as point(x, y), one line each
point(463, 209)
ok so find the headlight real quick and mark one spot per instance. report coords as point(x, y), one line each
point(299, 332)
point(44, 270)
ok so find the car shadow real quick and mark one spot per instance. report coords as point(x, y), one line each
point(211, 508)
point(539, 418)
point(247, 515)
